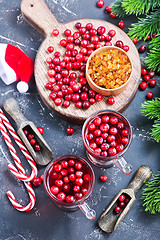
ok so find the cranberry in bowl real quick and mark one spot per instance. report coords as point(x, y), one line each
point(106, 136)
point(69, 182)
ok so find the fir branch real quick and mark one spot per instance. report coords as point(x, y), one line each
point(153, 57)
point(151, 195)
point(139, 7)
point(151, 109)
point(117, 8)
point(156, 130)
point(145, 26)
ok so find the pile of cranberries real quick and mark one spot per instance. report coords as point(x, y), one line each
point(31, 138)
point(69, 180)
point(107, 135)
point(65, 84)
point(147, 81)
point(123, 200)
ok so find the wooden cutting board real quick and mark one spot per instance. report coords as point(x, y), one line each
point(38, 15)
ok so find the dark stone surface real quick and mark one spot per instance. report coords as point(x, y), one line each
point(46, 221)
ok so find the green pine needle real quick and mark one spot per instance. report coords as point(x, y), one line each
point(117, 8)
point(139, 7)
point(153, 57)
point(145, 26)
point(156, 130)
point(151, 109)
point(151, 195)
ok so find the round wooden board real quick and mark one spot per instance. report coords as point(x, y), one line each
point(45, 24)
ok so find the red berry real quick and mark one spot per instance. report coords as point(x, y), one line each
point(33, 141)
point(79, 104)
point(93, 145)
point(57, 167)
point(76, 188)
point(152, 83)
point(67, 32)
point(143, 85)
point(125, 132)
point(112, 151)
point(149, 95)
point(69, 199)
point(79, 174)
point(89, 26)
point(101, 30)
point(58, 101)
point(61, 196)
point(37, 182)
point(121, 198)
point(51, 73)
point(78, 196)
point(105, 146)
point(108, 9)
point(111, 100)
point(119, 147)
point(72, 177)
point(66, 103)
point(112, 33)
point(70, 130)
point(144, 71)
point(120, 125)
point(37, 147)
point(79, 181)
point(105, 119)
point(98, 97)
point(99, 140)
point(124, 140)
point(41, 130)
point(119, 44)
point(97, 121)
point(121, 204)
point(112, 15)
point(117, 209)
point(91, 126)
point(104, 127)
point(146, 78)
point(148, 38)
point(54, 190)
point(89, 136)
point(108, 38)
point(84, 191)
point(113, 131)
point(97, 132)
point(53, 95)
point(63, 42)
point(113, 120)
point(55, 32)
point(58, 182)
point(100, 3)
point(78, 165)
point(78, 25)
point(103, 178)
point(135, 40)
point(126, 48)
point(50, 49)
point(86, 177)
point(108, 44)
point(151, 73)
point(142, 49)
point(42, 177)
point(25, 132)
point(54, 175)
point(121, 24)
point(86, 104)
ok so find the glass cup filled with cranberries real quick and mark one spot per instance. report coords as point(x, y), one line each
point(106, 136)
point(69, 181)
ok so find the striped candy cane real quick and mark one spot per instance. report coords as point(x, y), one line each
point(12, 150)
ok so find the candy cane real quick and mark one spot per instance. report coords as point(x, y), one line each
point(12, 150)
point(18, 206)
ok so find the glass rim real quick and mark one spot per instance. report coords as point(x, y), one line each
point(89, 150)
point(54, 198)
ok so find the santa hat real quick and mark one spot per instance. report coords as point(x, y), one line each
point(15, 65)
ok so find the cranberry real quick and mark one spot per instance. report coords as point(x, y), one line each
point(105, 146)
point(84, 191)
point(125, 132)
point(25, 132)
point(98, 151)
point(52, 80)
point(98, 97)
point(99, 140)
point(121, 198)
point(37, 147)
point(152, 83)
point(58, 182)
point(72, 177)
point(108, 44)
point(64, 164)
point(146, 78)
point(143, 85)
point(108, 38)
point(51, 73)
point(84, 43)
point(75, 97)
point(112, 15)
point(69, 199)
point(37, 182)
point(57, 167)
point(78, 25)
point(70, 130)
point(97, 132)
point(71, 162)
point(135, 40)
point(112, 33)
point(124, 140)
point(144, 71)
point(105, 119)
point(113, 144)
point(113, 131)
point(93, 145)
point(112, 151)
point(120, 125)
point(89, 26)
point(33, 141)
point(63, 42)
point(78, 104)
point(148, 38)
point(76, 35)
point(66, 187)
point(53, 95)
point(121, 204)
point(101, 30)
point(79, 174)
point(86, 104)
point(120, 148)
point(104, 135)
point(70, 46)
point(108, 9)
point(79, 181)
point(87, 177)
point(113, 120)
point(61, 196)
point(78, 196)
point(104, 127)
point(82, 30)
point(54, 175)
point(73, 75)
point(70, 39)
point(151, 74)
point(121, 24)
point(67, 32)
point(149, 95)
point(97, 121)
point(50, 49)
point(55, 32)
point(119, 44)
point(111, 138)
point(111, 100)
point(58, 101)
point(78, 165)
point(89, 136)
point(51, 66)
point(154, 35)
point(102, 38)
point(142, 49)
point(42, 177)
point(66, 103)
point(48, 86)
point(103, 178)
point(91, 126)
point(76, 188)
point(77, 42)
point(126, 48)
point(49, 60)
point(57, 54)
point(100, 3)
point(93, 31)
point(54, 190)
point(104, 154)
point(117, 209)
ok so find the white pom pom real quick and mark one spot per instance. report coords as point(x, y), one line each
point(22, 87)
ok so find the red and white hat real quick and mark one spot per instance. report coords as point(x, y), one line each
point(15, 65)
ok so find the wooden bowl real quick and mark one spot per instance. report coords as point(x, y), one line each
point(101, 90)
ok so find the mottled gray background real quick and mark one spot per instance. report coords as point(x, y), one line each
point(46, 221)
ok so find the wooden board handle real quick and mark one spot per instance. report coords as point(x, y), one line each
point(12, 108)
point(142, 175)
point(38, 15)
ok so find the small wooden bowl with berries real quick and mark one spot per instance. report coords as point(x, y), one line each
point(61, 61)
